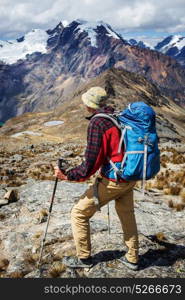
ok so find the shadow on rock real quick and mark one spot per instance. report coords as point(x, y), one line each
point(105, 256)
point(166, 255)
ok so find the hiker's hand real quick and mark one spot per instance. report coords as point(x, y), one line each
point(59, 174)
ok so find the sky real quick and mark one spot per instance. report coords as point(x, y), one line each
point(145, 19)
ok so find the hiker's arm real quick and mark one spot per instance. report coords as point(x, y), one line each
point(94, 154)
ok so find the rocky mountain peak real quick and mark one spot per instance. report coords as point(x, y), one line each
point(54, 35)
point(95, 29)
point(92, 33)
point(140, 44)
point(55, 63)
point(58, 29)
point(177, 41)
point(174, 46)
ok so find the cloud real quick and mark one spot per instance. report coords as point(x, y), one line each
point(18, 16)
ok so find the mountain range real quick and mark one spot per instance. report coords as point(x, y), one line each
point(42, 70)
point(122, 87)
point(173, 46)
point(37, 41)
point(140, 44)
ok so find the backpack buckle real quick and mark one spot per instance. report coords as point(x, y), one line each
point(140, 140)
point(145, 140)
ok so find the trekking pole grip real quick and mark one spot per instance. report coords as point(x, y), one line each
point(60, 163)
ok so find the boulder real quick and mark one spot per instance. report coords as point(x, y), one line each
point(11, 196)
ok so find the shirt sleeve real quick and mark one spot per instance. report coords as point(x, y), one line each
point(94, 154)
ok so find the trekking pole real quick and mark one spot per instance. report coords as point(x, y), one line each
point(50, 210)
point(108, 215)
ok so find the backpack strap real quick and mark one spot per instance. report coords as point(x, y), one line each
point(144, 168)
point(123, 129)
point(110, 117)
point(95, 193)
point(146, 143)
point(117, 172)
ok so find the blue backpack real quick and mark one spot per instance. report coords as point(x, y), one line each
point(141, 160)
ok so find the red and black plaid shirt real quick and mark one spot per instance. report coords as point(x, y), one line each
point(102, 142)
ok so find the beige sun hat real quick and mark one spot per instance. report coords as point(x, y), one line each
point(94, 97)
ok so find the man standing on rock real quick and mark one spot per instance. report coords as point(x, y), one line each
point(102, 144)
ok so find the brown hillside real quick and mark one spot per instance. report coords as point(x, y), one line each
point(123, 87)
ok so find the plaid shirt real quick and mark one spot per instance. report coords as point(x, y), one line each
point(96, 151)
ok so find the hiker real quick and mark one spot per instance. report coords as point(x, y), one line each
point(102, 143)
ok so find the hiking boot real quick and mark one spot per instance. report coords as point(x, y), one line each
point(75, 262)
point(130, 265)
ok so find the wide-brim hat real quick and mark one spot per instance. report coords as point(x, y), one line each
point(94, 97)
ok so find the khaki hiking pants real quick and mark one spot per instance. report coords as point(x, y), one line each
point(122, 193)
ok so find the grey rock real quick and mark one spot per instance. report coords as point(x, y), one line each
point(67, 153)
point(4, 178)
point(33, 274)
point(2, 192)
point(3, 202)
point(11, 196)
point(16, 158)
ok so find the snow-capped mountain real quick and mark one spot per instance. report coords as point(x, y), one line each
point(39, 40)
point(176, 42)
point(92, 29)
point(34, 41)
point(68, 57)
point(174, 46)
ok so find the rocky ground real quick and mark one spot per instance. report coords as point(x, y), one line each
point(161, 235)
point(35, 161)
point(28, 170)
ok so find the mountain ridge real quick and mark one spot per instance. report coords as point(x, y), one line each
point(173, 46)
point(44, 81)
point(123, 88)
